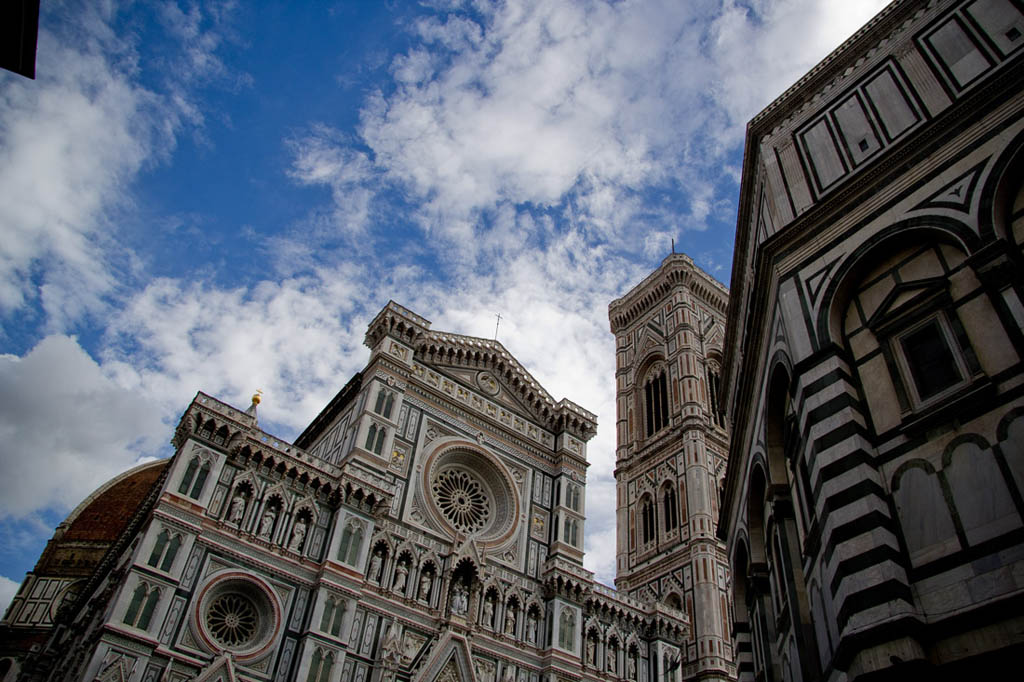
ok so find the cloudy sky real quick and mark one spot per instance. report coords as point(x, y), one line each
point(219, 196)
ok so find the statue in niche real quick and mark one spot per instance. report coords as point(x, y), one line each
point(298, 535)
point(591, 651)
point(488, 612)
point(460, 599)
point(531, 628)
point(632, 666)
point(401, 577)
point(267, 524)
point(425, 587)
point(510, 620)
point(510, 674)
point(375, 564)
point(610, 658)
point(237, 510)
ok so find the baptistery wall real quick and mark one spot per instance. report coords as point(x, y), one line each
point(873, 502)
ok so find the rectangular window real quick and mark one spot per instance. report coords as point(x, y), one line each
point(933, 366)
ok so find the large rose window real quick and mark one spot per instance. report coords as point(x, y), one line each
point(471, 493)
point(462, 500)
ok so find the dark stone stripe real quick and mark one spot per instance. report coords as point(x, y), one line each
point(837, 435)
point(852, 529)
point(831, 407)
point(823, 382)
point(839, 467)
point(872, 557)
point(872, 596)
point(855, 492)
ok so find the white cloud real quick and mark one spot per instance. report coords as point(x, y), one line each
point(68, 145)
point(8, 588)
point(757, 55)
point(73, 141)
point(298, 340)
point(66, 427)
point(572, 109)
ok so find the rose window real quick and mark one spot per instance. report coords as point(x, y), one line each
point(468, 492)
point(462, 500)
point(238, 613)
point(233, 620)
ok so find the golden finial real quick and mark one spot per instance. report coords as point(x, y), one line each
point(257, 397)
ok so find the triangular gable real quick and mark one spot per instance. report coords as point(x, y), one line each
point(116, 671)
point(903, 297)
point(222, 669)
point(956, 195)
point(498, 373)
point(450, 662)
point(505, 394)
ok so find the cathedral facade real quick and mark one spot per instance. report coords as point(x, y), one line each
point(671, 454)
point(875, 491)
point(427, 525)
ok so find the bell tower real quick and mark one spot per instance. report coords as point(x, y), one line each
point(671, 453)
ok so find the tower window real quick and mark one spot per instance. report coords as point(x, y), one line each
point(714, 393)
point(671, 510)
point(656, 402)
point(647, 520)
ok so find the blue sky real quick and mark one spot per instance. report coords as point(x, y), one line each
point(219, 196)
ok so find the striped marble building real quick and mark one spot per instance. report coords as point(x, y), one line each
point(875, 489)
point(426, 526)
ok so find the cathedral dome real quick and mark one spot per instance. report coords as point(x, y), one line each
point(94, 525)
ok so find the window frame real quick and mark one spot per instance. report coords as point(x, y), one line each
point(905, 368)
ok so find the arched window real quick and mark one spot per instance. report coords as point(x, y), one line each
point(572, 496)
point(165, 548)
point(190, 473)
point(200, 479)
point(158, 548)
point(670, 509)
point(351, 541)
point(172, 552)
point(570, 532)
point(385, 403)
point(314, 666)
point(147, 610)
point(656, 402)
point(140, 609)
point(132, 614)
point(325, 667)
point(325, 620)
point(715, 408)
point(647, 519)
point(330, 622)
point(375, 438)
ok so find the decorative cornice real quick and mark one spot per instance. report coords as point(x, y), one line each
point(458, 350)
point(677, 269)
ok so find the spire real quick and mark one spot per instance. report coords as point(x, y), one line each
point(256, 398)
